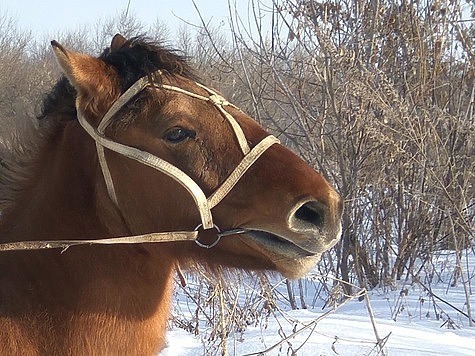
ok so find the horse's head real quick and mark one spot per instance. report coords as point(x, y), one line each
point(288, 213)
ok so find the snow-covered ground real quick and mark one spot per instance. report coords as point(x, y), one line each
point(406, 318)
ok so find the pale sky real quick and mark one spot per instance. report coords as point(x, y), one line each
point(46, 18)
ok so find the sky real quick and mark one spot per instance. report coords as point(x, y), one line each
point(48, 17)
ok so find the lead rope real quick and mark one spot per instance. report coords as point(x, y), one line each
point(153, 237)
point(65, 244)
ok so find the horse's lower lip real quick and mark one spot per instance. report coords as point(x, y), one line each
point(278, 244)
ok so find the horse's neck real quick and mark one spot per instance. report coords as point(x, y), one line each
point(57, 197)
point(107, 297)
point(120, 290)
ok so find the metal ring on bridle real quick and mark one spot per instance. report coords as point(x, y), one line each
point(214, 243)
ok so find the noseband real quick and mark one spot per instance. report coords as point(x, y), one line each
point(203, 203)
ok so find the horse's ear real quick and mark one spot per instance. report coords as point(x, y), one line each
point(117, 42)
point(93, 79)
point(85, 73)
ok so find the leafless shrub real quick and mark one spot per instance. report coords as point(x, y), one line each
point(379, 95)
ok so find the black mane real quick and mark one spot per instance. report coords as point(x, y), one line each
point(136, 58)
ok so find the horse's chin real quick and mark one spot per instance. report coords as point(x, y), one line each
point(294, 269)
point(289, 259)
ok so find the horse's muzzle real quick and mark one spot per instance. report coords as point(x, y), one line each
point(318, 224)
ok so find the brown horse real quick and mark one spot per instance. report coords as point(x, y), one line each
point(132, 145)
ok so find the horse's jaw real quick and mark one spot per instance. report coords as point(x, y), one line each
point(290, 259)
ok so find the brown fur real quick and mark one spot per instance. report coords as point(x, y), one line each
point(116, 299)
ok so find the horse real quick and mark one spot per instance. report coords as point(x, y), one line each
point(137, 167)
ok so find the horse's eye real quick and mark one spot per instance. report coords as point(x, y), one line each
point(178, 134)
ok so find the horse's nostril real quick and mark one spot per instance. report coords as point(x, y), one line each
point(311, 213)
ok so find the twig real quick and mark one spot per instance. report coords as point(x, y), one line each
point(380, 342)
point(308, 326)
point(428, 290)
point(222, 319)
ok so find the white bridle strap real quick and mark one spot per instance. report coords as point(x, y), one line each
point(136, 88)
point(219, 102)
point(203, 204)
point(154, 162)
point(239, 171)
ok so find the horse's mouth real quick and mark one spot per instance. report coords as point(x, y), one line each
point(277, 244)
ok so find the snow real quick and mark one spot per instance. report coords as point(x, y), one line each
point(409, 321)
point(343, 333)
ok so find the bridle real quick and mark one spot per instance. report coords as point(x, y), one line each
point(203, 203)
